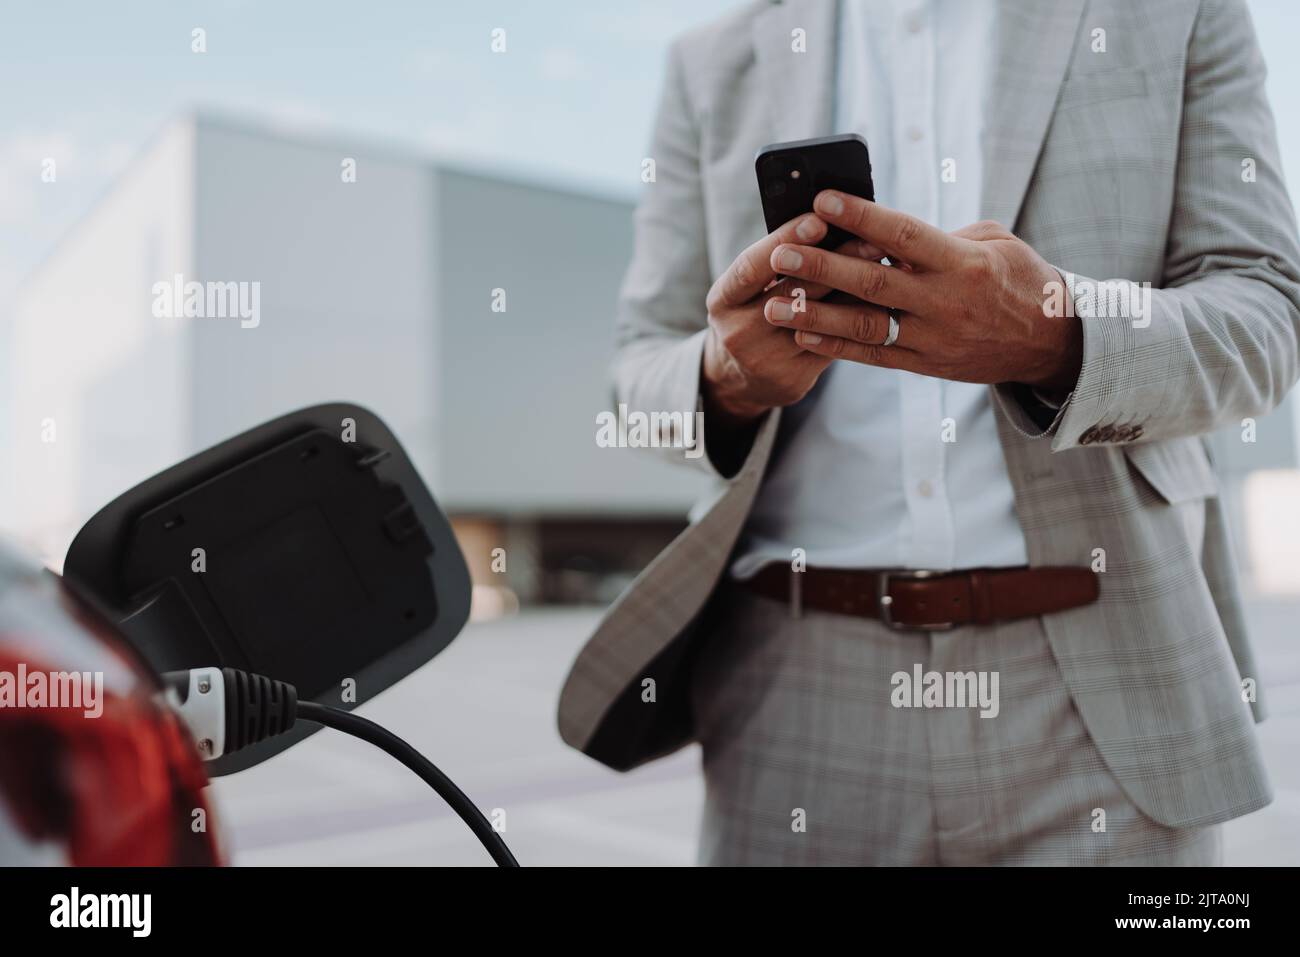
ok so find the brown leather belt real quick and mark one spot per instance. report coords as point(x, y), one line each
point(930, 601)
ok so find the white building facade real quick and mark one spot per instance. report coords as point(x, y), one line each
point(472, 313)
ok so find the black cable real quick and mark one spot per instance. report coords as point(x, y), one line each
point(384, 739)
point(228, 709)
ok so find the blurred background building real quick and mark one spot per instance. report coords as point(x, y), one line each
point(445, 300)
point(482, 179)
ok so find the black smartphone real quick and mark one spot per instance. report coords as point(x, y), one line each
point(790, 175)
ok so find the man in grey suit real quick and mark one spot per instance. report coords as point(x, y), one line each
point(964, 593)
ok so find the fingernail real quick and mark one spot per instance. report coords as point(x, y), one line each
point(781, 311)
point(809, 338)
point(806, 229)
point(788, 259)
point(830, 204)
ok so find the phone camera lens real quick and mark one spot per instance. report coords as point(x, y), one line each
point(776, 187)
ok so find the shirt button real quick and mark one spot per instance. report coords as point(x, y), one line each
point(914, 21)
point(914, 133)
point(924, 488)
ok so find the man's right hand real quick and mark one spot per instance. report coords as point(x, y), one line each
point(750, 365)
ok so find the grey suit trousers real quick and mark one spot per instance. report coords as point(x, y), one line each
point(807, 761)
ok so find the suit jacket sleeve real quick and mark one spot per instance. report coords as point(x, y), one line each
point(1220, 341)
point(661, 319)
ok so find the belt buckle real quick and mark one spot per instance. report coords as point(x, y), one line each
point(885, 600)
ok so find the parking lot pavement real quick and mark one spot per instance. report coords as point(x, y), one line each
point(484, 711)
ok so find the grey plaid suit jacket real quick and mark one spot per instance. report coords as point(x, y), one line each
point(1125, 164)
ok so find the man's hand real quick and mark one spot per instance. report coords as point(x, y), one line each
point(970, 303)
point(751, 366)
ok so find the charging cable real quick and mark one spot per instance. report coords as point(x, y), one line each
point(227, 709)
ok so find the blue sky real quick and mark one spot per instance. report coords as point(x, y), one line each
point(88, 82)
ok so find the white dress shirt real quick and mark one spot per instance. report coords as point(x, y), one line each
point(868, 480)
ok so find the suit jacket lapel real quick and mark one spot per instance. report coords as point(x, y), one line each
point(798, 87)
point(1035, 38)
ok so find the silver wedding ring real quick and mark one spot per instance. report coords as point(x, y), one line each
point(893, 328)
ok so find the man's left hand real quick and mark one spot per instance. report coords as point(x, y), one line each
point(970, 304)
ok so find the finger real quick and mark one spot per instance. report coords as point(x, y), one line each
point(857, 248)
point(859, 321)
point(852, 319)
point(868, 281)
point(790, 288)
point(861, 249)
point(834, 347)
point(897, 233)
point(751, 273)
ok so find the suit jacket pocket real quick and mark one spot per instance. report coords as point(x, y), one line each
point(1178, 470)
